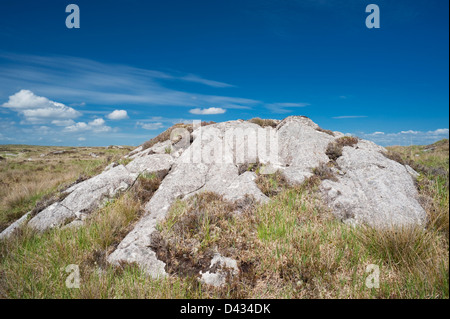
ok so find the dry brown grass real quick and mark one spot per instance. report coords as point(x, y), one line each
point(145, 186)
point(197, 228)
point(324, 171)
point(263, 123)
point(329, 132)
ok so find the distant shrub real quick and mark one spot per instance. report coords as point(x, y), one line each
point(334, 149)
point(325, 131)
point(347, 141)
point(263, 123)
point(323, 171)
point(164, 136)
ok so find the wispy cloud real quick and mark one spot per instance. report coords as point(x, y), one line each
point(197, 79)
point(349, 117)
point(282, 108)
point(69, 78)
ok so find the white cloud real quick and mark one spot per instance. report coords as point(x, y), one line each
point(96, 126)
point(409, 132)
point(81, 139)
point(117, 115)
point(150, 126)
point(63, 122)
point(39, 109)
point(197, 79)
point(440, 131)
point(209, 111)
point(97, 122)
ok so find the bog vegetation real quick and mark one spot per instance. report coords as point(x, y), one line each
point(290, 247)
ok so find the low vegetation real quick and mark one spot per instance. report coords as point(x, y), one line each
point(290, 247)
point(164, 136)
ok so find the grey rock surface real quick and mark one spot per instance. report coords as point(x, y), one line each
point(372, 189)
point(6, 233)
point(156, 163)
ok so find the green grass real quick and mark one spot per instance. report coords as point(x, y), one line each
point(33, 265)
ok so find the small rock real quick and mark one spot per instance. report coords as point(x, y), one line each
point(220, 268)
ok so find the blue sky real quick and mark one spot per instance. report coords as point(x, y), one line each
point(156, 63)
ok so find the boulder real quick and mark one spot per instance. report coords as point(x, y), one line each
point(373, 190)
point(84, 197)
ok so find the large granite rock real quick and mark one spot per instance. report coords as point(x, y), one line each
point(368, 189)
point(207, 165)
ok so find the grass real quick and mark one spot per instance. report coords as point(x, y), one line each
point(32, 265)
point(38, 171)
point(290, 247)
point(271, 184)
